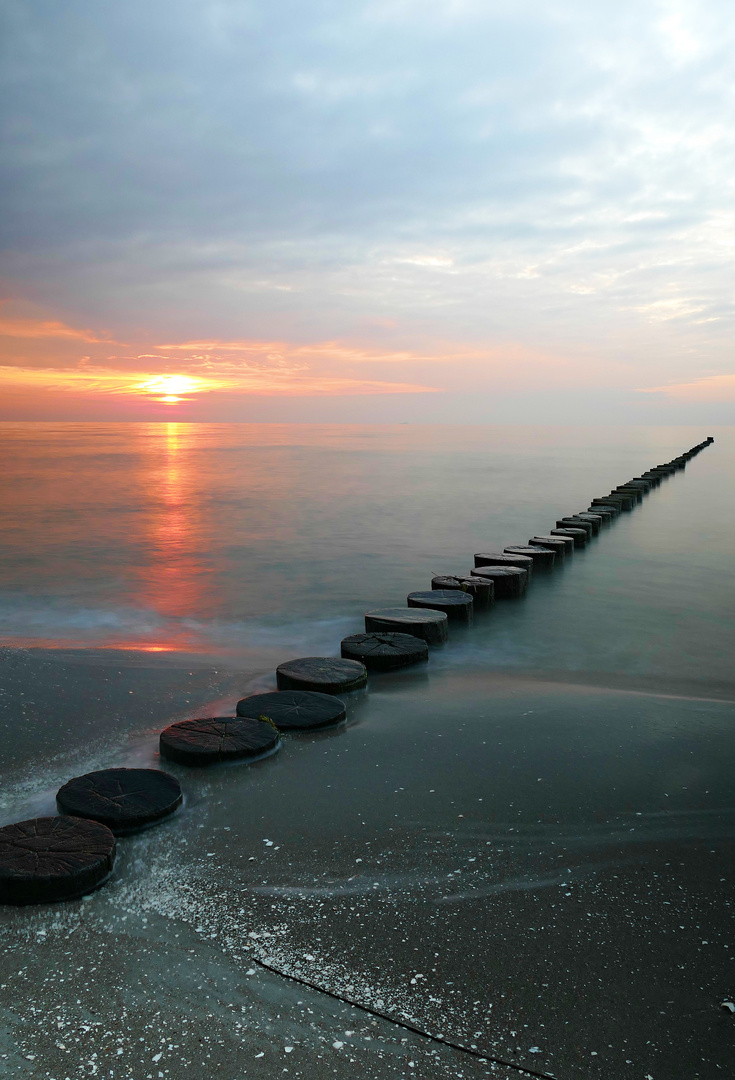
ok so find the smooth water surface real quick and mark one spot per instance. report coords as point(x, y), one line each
point(262, 541)
point(527, 844)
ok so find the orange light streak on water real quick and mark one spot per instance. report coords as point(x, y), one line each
point(177, 579)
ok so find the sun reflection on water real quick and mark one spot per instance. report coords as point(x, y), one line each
point(176, 581)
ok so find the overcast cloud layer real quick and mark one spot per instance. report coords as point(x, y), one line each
point(372, 211)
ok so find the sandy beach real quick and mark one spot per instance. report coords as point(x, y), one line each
point(493, 875)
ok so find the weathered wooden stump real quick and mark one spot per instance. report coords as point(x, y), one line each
point(326, 674)
point(502, 558)
point(605, 504)
point(456, 605)
point(595, 520)
point(543, 558)
point(608, 513)
point(481, 591)
point(579, 536)
point(294, 710)
point(625, 500)
point(385, 652)
point(635, 492)
point(509, 581)
point(431, 626)
point(561, 545)
point(124, 800)
point(210, 740)
point(575, 523)
point(53, 858)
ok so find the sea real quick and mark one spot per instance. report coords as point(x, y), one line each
point(524, 846)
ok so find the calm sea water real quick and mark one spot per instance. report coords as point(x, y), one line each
point(528, 845)
point(261, 541)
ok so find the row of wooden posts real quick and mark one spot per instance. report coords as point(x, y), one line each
point(66, 856)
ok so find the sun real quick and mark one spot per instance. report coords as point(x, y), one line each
point(171, 387)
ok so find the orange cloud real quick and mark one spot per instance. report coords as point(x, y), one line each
point(46, 328)
point(180, 372)
point(300, 357)
point(710, 388)
point(279, 350)
point(96, 380)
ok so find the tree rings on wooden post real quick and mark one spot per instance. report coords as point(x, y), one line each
point(543, 558)
point(606, 504)
point(502, 558)
point(507, 580)
point(385, 652)
point(217, 738)
point(635, 493)
point(606, 512)
point(575, 523)
point(625, 500)
point(621, 501)
point(560, 545)
point(294, 710)
point(457, 605)
point(579, 536)
point(326, 674)
point(53, 858)
point(422, 623)
point(595, 520)
point(122, 799)
point(584, 523)
point(482, 591)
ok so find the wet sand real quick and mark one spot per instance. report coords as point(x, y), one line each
point(543, 870)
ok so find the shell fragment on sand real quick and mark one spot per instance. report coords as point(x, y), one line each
point(325, 674)
point(457, 605)
point(294, 710)
point(122, 799)
point(385, 652)
point(208, 740)
point(53, 858)
point(429, 624)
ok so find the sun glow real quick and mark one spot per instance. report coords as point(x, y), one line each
point(171, 387)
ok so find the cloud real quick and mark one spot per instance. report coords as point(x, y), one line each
point(46, 328)
point(90, 381)
point(278, 351)
point(378, 178)
point(711, 388)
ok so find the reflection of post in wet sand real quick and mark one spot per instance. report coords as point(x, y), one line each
point(176, 581)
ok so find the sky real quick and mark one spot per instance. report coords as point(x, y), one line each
point(415, 211)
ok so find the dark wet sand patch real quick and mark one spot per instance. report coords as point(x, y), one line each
point(534, 868)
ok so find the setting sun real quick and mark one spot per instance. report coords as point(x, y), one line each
point(171, 387)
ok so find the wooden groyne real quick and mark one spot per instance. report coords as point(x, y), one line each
point(64, 857)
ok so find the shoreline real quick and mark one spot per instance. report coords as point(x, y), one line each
point(357, 849)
